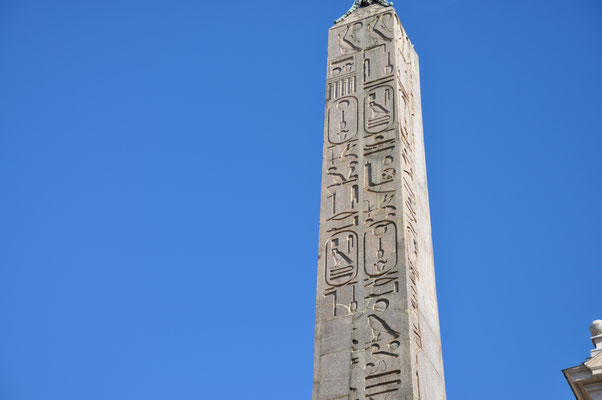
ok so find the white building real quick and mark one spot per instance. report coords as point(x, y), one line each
point(586, 379)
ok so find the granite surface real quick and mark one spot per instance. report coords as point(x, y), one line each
point(377, 324)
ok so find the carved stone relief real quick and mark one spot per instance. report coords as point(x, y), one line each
point(379, 109)
point(342, 120)
point(342, 78)
point(341, 258)
point(382, 29)
point(370, 245)
point(378, 63)
point(349, 39)
point(380, 248)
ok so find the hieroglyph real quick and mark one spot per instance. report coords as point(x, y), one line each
point(375, 339)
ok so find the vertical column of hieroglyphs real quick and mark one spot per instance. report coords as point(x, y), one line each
point(339, 285)
point(368, 328)
point(380, 367)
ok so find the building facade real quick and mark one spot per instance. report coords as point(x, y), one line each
point(586, 379)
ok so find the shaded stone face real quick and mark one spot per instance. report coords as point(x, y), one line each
point(377, 326)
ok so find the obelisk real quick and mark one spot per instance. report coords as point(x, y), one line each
point(377, 324)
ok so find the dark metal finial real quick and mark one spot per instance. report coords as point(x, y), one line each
point(363, 3)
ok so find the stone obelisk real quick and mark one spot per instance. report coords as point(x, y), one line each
point(377, 324)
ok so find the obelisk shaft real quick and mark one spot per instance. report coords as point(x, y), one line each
point(377, 324)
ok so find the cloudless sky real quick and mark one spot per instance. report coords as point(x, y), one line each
point(160, 186)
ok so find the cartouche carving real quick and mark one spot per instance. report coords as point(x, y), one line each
point(379, 109)
point(341, 258)
point(342, 120)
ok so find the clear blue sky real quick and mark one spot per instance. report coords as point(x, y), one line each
point(160, 174)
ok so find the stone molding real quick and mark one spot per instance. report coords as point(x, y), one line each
point(586, 379)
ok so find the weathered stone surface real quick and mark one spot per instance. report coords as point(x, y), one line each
point(377, 325)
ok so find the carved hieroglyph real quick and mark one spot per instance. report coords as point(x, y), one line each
point(377, 326)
